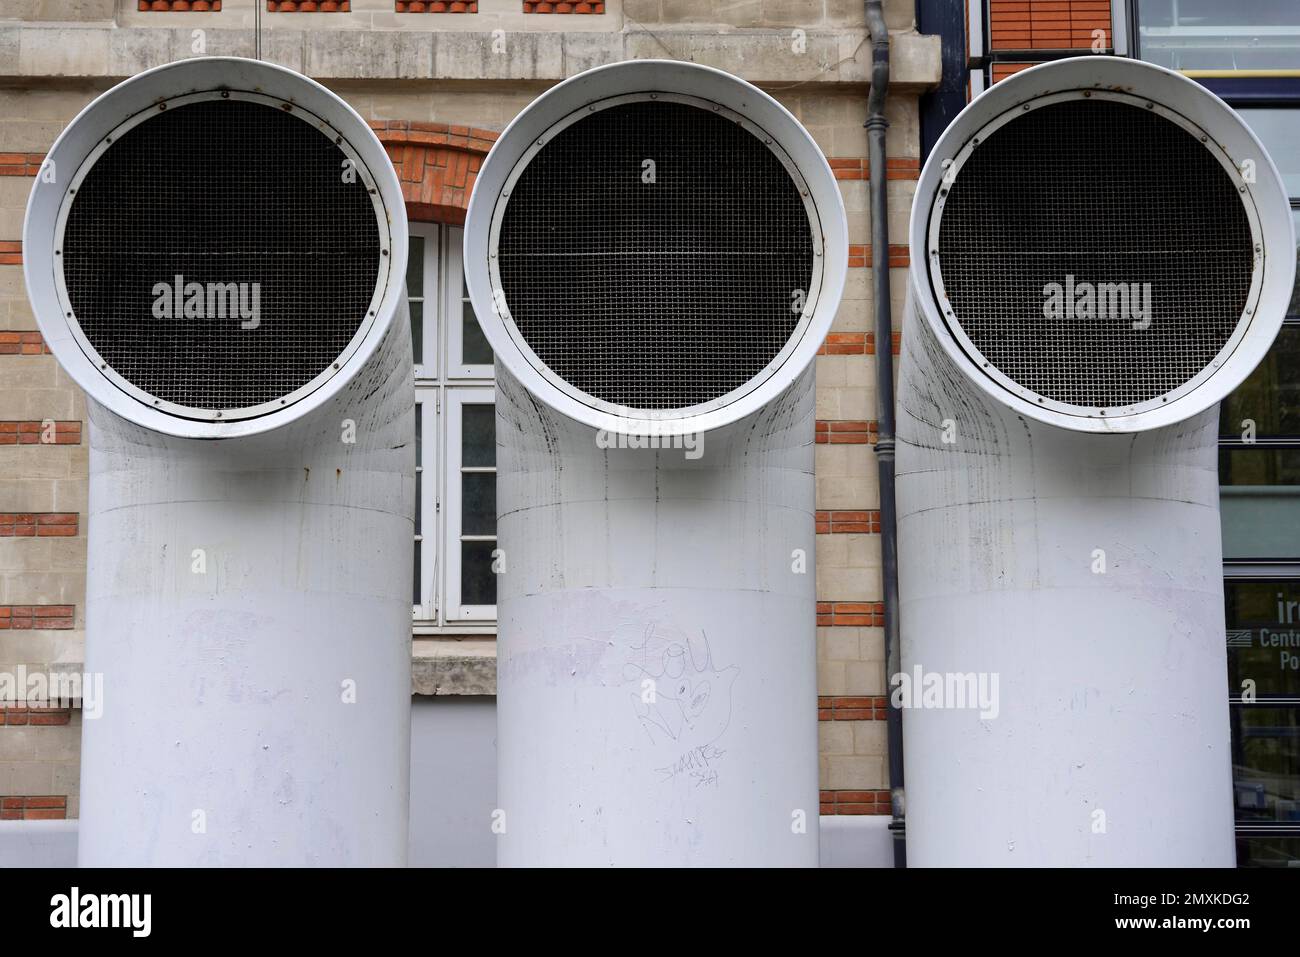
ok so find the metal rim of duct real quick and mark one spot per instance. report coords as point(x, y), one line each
point(132, 102)
point(562, 105)
point(1179, 99)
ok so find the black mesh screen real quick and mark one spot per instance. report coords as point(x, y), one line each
point(254, 206)
point(655, 287)
point(1106, 193)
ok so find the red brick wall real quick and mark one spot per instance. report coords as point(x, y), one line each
point(840, 432)
point(847, 523)
point(1003, 70)
point(36, 617)
point(18, 715)
point(855, 802)
point(1026, 29)
point(30, 432)
point(1047, 24)
point(43, 807)
point(38, 524)
point(868, 614)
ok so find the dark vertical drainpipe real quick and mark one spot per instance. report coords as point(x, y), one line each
point(876, 125)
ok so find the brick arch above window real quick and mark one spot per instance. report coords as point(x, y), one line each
point(437, 164)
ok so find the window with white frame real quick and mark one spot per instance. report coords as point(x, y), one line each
point(455, 422)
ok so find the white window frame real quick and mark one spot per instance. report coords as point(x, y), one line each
point(431, 346)
point(457, 398)
point(426, 476)
point(454, 310)
point(443, 384)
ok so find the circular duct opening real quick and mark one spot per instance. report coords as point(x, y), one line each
point(220, 255)
point(1092, 251)
point(655, 254)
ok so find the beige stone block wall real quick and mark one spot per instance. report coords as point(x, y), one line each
point(812, 55)
point(41, 761)
point(851, 661)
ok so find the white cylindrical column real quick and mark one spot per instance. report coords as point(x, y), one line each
point(656, 251)
point(244, 343)
point(656, 679)
point(248, 604)
point(1071, 587)
point(1060, 564)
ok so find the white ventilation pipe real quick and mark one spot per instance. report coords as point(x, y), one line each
point(215, 252)
point(1057, 482)
point(655, 251)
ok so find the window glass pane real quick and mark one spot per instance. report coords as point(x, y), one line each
point(478, 583)
point(1279, 130)
point(1268, 851)
point(415, 268)
point(1247, 466)
point(478, 446)
point(1294, 309)
point(478, 505)
point(419, 434)
point(1259, 520)
point(474, 345)
point(419, 459)
point(1266, 763)
point(1263, 637)
point(415, 596)
point(417, 332)
point(1270, 396)
point(1220, 35)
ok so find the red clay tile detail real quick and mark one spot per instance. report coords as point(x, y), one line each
point(437, 6)
point(308, 6)
point(179, 6)
point(556, 6)
point(437, 164)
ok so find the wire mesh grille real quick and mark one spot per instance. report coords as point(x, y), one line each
point(655, 255)
point(274, 240)
point(1095, 195)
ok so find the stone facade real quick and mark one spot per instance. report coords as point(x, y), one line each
point(437, 87)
